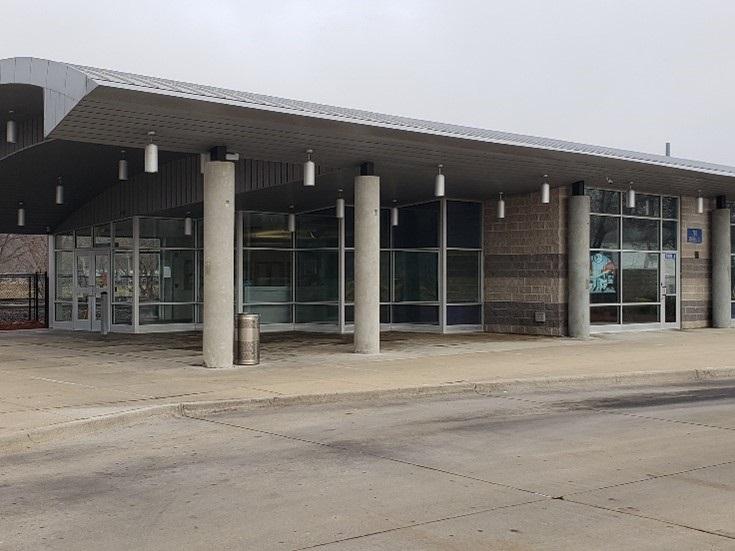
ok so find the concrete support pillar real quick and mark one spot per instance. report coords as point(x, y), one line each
point(721, 286)
point(578, 276)
point(367, 264)
point(219, 263)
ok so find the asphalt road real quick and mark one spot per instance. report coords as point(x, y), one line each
point(636, 470)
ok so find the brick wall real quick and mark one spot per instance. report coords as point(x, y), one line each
point(525, 265)
point(696, 266)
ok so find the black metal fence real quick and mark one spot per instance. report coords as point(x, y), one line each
point(23, 300)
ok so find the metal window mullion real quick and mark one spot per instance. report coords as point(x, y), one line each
point(341, 276)
point(239, 261)
point(443, 265)
point(136, 273)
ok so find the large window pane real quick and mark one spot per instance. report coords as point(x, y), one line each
point(416, 276)
point(149, 277)
point(641, 282)
point(316, 313)
point(641, 235)
point(266, 230)
point(464, 315)
point(603, 315)
point(64, 240)
point(604, 277)
point(604, 202)
point(62, 311)
point(84, 237)
point(463, 276)
point(317, 230)
point(645, 205)
point(670, 207)
point(157, 233)
point(604, 232)
point(122, 277)
point(64, 274)
point(384, 276)
point(416, 313)
point(123, 231)
point(317, 276)
point(669, 235)
point(267, 276)
point(166, 313)
point(641, 314)
point(102, 237)
point(271, 313)
point(464, 224)
point(178, 276)
point(418, 227)
point(122, 314)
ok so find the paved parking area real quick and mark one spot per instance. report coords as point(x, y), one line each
point(646, 469)
point(50, 378)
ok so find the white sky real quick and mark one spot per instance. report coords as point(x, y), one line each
point(624, 73)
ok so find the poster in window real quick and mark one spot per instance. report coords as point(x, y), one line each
point(603, 277)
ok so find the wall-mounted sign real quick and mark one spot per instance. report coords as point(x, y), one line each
point(694, 235)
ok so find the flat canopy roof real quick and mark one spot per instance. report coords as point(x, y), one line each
point(115, 109)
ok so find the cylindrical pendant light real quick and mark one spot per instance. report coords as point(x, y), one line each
point(394, 215)
point(340, 206)
point(59, 192)
point(11, 130)
point(700, 204)
point(545, 190)
point(501, 206)
point(151, 155)
point(21, 215)
point(630, 197)
point(122, 167)
point(309, 170)
point(439, 182)
point(291, 220)
point(188, 224)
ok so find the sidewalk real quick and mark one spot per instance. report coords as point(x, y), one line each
point(52, 378)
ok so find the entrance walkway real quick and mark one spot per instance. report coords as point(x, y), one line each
point(52, 377)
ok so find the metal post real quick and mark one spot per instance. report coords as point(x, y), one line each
point(105, 314)
point(46, 302)
point(35, 296)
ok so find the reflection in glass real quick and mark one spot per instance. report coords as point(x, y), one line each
point(62, 312)
point(416, 313)
point(102, 237)
point(123, 277)
point(604, 232)
point(166, 313)
point(84, 271)
point(64, 240)
point(384, 276)
point(418, 228)
point(156, 233)
point(266, 230)
point(271, 313)
point(416, 276)
point(640, 235)
point(670, 207)
point(84, 237)
point(604, 202)
point(645, 205)
point(178, 276)
point(464, 315)
point(669, 235)
point(149, 277)
point(317, 276)
point(266, 276)
point(641, 280)
point(317, 230)
point(316, 313)
point(122, 314)
point(64, 274)
point(602, 315)
point(123, 234)
point(102, 270)
point(641, 314)
point(464, 224)
point(670, 305)
point(463, 276)
point(604, 277)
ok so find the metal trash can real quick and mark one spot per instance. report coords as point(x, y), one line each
point(248, 339)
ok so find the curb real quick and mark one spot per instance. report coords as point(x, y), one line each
point(25, 439)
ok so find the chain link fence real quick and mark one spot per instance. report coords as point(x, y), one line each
point(23, 300)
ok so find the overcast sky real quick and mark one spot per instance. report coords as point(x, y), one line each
point(624, 73)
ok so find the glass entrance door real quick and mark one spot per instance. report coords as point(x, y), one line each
point(91, 278)
point(669, 290)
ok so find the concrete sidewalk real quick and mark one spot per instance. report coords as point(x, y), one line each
point(52, 378)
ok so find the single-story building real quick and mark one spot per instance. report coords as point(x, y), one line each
point(186, 203)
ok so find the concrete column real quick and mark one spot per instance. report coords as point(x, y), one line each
point(578, 276)
point(721, 289)
point(219, 263)
point(367, 264)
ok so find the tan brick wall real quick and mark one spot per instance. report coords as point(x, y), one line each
point(696, 266)
point(525, 264)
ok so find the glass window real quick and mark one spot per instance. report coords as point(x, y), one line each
point(640, 235)
point(604, 202)
point(267, 276)
point(648, 313)
point(604, 277)
point(177, 276)
point(266, 230)
point(384, 313)
point(62, 311)
point(416, 313)
point(317, 276)
point(158, 233)
point(84, 238)
point(317, 230)
point(645, 205)
point(418, 227)
point(149, 277)
point(102, 235)
point(64, 275)
point(122, 314)
point(604, 232)
point(669, 235)
point(641, 282)
point(122, 277)
point(603, 315)
point(271, 313)
point(384, 276)
point(64, 240)
point(463, 276)
point(316, 313)
point(166, 313)
point(416, 276)
point(123, 234)
point(464, 315)
point(464, 224)
point(670, 208)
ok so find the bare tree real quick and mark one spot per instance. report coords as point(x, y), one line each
point(23, 253)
